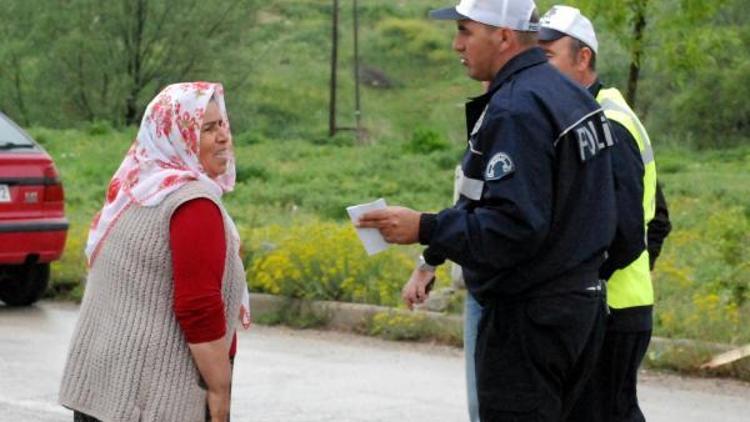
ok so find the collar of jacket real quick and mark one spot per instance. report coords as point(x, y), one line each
point(595, 88)
point(475, 106)
point(524, 60)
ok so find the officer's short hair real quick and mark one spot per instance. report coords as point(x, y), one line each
point(578, 45)
point(528, 38)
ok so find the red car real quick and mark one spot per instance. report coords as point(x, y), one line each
point(33, 226)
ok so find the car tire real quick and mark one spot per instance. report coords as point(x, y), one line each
point(23, 285)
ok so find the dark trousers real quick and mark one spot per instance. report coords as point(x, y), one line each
point(81, 417)
point(610, 394)
point(533, 357)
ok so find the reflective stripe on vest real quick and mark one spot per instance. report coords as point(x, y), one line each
point(631, 286)
point(644, 142)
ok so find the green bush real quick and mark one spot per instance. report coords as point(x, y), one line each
point(295, 314)
point(701, 279)
point(99, 127)
point(69, 273)
point(413, 39)
point(246, 172)
point(671, 164)
point(400, 326)
point(248, 138)
point(425, 140)
point(324, 261)
point(40, 135)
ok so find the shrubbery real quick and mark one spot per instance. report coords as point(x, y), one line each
point(290, 210)
point(425, 140)
point(324, 261)
point(701, 280)
point(415, 39)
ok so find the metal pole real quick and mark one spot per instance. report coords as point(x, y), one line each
point(334, 62)
point(357, 108)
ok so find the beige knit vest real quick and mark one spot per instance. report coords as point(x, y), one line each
point(128, 359)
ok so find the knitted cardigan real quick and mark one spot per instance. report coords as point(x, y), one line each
point(128, 359)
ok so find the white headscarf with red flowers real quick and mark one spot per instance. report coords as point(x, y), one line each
point(163, 157)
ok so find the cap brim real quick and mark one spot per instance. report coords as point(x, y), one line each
point(548, 34)
point(447, 14)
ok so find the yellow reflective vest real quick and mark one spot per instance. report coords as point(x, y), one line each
point(631, 286)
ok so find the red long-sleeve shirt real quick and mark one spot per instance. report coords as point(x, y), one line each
point(198, 245)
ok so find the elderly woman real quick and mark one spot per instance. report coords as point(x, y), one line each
point(166, 286)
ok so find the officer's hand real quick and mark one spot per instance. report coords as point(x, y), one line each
point(416, 290)
point(396, 224)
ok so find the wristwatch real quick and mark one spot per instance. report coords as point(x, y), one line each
point(422, 265)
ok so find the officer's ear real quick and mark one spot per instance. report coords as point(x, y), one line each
point(505, 38)
point(583, 61)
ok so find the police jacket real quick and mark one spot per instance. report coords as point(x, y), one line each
point(629, 242)
point(536, 211)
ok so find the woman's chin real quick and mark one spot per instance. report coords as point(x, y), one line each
point(219, 172)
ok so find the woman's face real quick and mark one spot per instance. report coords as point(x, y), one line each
point(215, 147)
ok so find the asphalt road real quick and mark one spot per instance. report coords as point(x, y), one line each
point(310, 376)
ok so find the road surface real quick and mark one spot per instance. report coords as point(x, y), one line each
point(310, 376)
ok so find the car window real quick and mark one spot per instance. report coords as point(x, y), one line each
point(10, 134)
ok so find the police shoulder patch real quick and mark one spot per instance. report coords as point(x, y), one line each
point(500, 166)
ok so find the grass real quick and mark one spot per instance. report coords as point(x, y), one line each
point(702, 279)
point(400, 326)
point(290, 173)
point(296, 314)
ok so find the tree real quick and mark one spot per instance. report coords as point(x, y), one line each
point(105, 58)
point(636, 23)
point(18, 57)
point(709, 69)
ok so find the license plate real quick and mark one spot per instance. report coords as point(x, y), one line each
point(4, 193)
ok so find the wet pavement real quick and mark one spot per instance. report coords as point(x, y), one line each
point(309, 376)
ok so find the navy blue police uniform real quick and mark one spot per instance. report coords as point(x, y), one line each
point(536, 215)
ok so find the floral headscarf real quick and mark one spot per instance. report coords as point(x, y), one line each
point(163, 157)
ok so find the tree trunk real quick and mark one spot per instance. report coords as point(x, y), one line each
point(83, 99)
point(334, 64)
point(20, 103)
point(357, 104)
point(639, 27)
point(135, 64)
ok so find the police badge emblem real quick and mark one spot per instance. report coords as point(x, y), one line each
point(499, 167)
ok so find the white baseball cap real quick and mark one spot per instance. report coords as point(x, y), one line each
point(512, 14)
point(565, 20)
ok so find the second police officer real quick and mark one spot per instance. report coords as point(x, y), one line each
point(571, 44)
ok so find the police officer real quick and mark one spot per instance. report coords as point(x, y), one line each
point(570, 42)
point(534, 220)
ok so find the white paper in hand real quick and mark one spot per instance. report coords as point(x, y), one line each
point(371, 238)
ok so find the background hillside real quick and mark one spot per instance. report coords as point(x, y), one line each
point(65, 63)
point(78, 73)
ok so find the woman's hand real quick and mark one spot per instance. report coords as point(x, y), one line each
point(246, 318)
point(212, 360)
point(218, 405)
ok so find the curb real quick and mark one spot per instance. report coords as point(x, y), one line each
point(346, 316)
point(681, 355)
point(687, 356)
